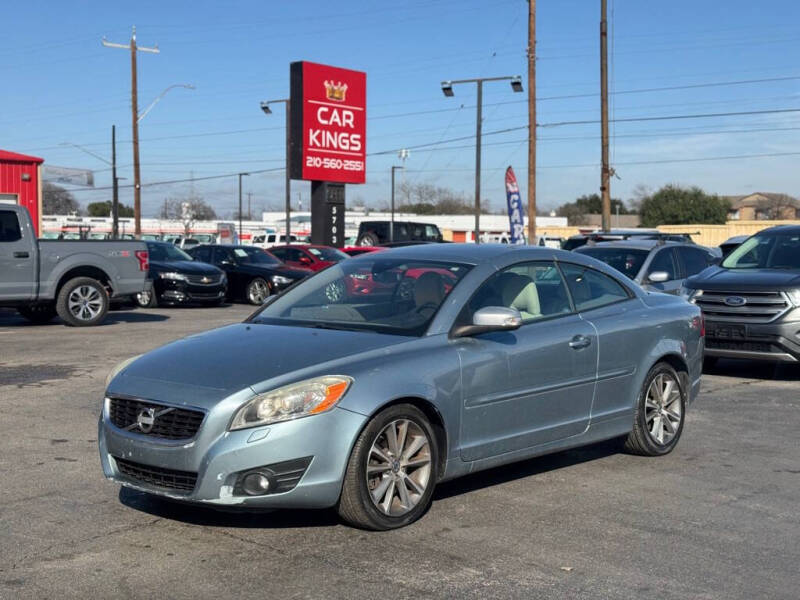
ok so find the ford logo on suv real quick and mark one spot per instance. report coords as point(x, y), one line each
point(735, 301)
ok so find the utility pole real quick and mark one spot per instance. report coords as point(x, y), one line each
point(240, 204)
point(249, 206)
point(605, 174)
point(137, 184)
point(114, 185)
point(391, 225)
point(531, 122)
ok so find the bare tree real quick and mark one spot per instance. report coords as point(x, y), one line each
point(58, 201)
point(188, 208)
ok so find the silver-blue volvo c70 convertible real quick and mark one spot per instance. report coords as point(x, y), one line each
point(364, 386)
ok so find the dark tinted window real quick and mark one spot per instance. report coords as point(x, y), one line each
point(627, 261)
point(664, 261)
point(592, 289)
point(694, 260)
point(535, 289)
point(9, 226)
point(221, 254)
point(202, 253)
point(166, 253)
point(278, 252)
point(249, 255)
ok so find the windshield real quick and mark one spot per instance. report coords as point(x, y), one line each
point(625, 260)
point(775, 250)
point(166, 253)
point(329, 254)
point(374, 294)
point(249, 256)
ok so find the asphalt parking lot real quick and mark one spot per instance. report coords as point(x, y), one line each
point(718, 518)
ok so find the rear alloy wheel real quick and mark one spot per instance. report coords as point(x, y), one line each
point(257, 291)
point(392, 471)
point(82, 302)
point(660, 411)
point(368, 239)
point(38, 313)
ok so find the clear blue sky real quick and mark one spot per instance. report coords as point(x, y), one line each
point(60, 85)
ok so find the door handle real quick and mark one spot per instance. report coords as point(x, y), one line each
point(21, 255)
point(579, 341)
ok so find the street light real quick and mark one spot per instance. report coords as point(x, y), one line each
point(447, 89)
point(288, 184)
point(187, 86)
point(391, 226)
point(240, 204)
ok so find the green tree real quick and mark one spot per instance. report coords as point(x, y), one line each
point(58, 201)
point(675, 205)
point(103, 209)
point(588, 204)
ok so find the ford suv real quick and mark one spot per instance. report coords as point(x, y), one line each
point(751, 301)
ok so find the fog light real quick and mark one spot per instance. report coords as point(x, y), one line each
point(255, 484)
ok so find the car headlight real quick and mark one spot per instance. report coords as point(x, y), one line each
point(281, 280)
point(172, 275)
point(302, 399)
point(120, 366)
point(689, 294)
point(794, 296)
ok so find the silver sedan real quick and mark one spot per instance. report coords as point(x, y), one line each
point(364, 386)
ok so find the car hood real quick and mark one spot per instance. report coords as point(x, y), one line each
point(732, 280)
point(184, 266)
point(203, 369)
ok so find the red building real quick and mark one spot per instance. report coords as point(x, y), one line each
point(21, 183)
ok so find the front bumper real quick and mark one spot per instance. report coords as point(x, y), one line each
point(218, 459)
point(779, 341)
point(182, 292)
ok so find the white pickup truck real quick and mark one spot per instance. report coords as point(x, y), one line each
point(75, 280)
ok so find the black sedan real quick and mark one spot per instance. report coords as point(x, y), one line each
point(253, 275)
point(179, 279)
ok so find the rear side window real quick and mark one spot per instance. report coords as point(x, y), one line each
point(592, 289)
point(664, 261)
point(9, 226)
point(694, 260)
point(202, 253)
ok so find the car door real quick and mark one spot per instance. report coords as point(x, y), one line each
point(17, 259)
point(616, 315)
point(663, 260)
point(531, 386)
point(224, 258)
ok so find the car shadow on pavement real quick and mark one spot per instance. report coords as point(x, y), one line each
point(755, 369)
point(210, 517)
point(133, 317)
point(526, 468)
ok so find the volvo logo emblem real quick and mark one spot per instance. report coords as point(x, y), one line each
point(735, 301)
point(146, 419)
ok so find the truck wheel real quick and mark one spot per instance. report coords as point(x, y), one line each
point(38, 313)
point(368, 239)
point(82, 302)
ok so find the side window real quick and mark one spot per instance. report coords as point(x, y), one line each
point(221, 254)
point(431, 233)
point(664, 261)
point(592, 289)
point(279, 253)
point(202, 253)
point(9, 226)
point(535, 289)
point(294, 254)
point(694, 260)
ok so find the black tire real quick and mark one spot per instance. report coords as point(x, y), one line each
point(368, 239)
point(641, 440)
point(95, 311)
point(356, 505)
point(255, 290)
point(709, 362)
point(146, 299)
point(38, 313)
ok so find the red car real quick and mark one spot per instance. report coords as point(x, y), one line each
point(357, 250)
point(308, 256)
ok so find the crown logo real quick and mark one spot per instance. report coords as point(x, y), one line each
point(335, 91)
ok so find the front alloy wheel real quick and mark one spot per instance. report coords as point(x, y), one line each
point(392, 470)
point(257, 291)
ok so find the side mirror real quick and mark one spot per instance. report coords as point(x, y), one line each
point(658, 277)
point(305, 260)
point(491, 318)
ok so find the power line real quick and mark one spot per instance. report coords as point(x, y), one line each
point(672, 117)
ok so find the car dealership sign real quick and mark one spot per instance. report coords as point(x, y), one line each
point(328, 123)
